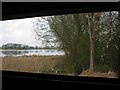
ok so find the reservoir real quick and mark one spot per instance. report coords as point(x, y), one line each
point(41, 52)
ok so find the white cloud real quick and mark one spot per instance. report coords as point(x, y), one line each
point(17, 31)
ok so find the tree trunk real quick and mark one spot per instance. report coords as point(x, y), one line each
point(91, 53)
point(91, 67)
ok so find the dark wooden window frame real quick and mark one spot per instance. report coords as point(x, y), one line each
point(12, 79)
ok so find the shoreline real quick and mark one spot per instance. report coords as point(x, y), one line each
point(30, 56)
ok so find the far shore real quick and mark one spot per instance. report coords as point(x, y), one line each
point(29, 49)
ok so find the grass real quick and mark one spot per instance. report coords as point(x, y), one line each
point(43, 64)
point(35, 64)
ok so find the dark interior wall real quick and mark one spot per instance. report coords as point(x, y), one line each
point(27, 80)
point(29, 9)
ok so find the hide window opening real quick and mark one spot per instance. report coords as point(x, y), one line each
point(80, 44)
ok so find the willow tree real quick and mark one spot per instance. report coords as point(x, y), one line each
point(69, 31)
point(75, 34)
point(70, 35)
point(85, 38)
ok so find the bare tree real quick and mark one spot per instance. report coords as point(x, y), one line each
point(68, 32)
point(93, 30)
point(77, 35)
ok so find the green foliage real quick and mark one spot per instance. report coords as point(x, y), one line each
point(72, 33)
point(102, 68)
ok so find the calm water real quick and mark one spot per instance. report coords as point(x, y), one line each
point(43, 52)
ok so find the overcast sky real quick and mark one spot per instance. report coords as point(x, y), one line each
point(17, 31)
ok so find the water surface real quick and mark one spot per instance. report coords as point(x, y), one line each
point(43, 52)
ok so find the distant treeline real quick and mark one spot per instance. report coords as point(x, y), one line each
point(22, 46)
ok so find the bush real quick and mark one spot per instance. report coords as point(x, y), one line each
point(77, 69)
point(102, 68)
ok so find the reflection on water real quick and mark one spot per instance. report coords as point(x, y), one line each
point(30, 52)
point(9, 53)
